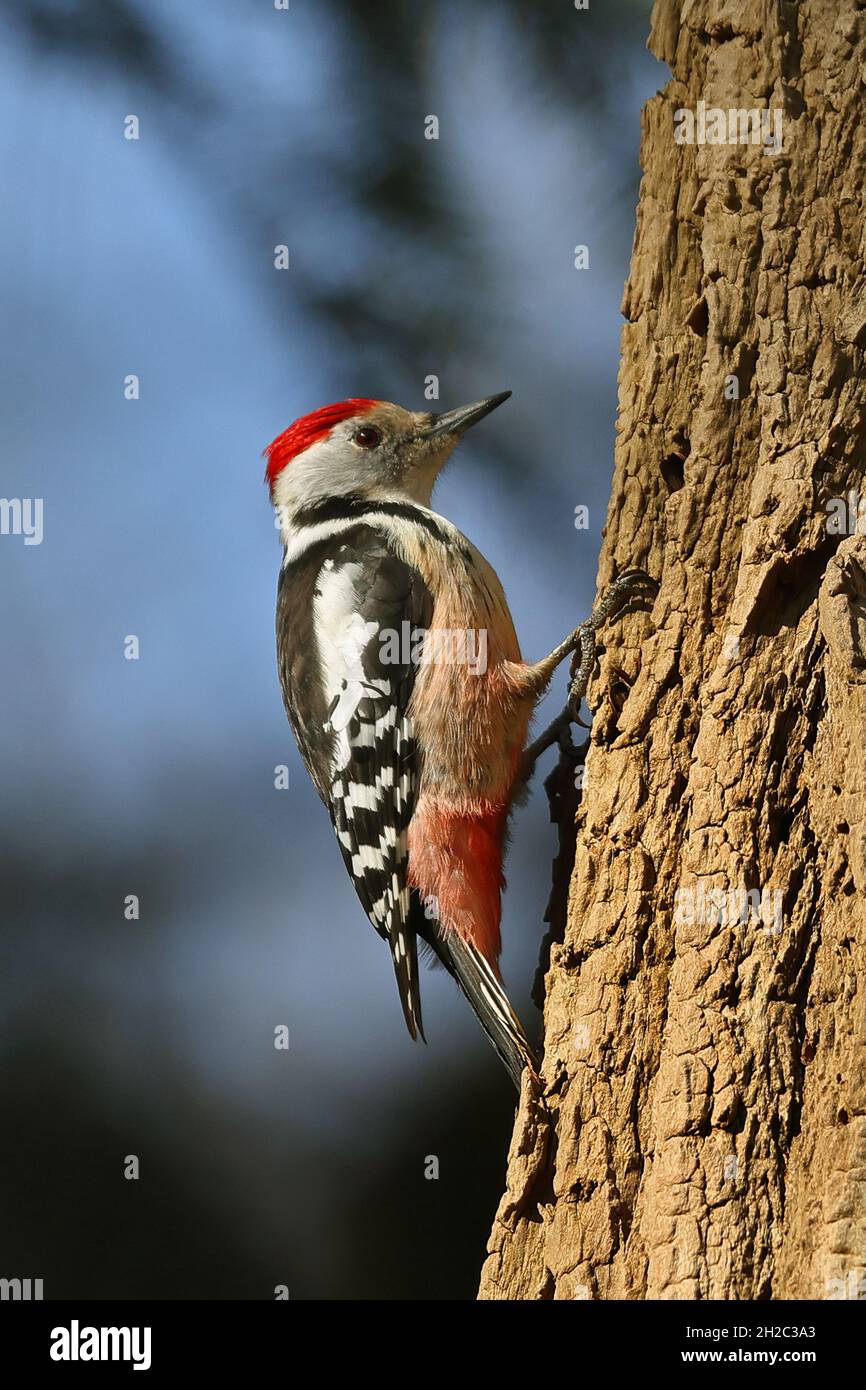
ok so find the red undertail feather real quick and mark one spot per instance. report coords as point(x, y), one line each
point(456, 859)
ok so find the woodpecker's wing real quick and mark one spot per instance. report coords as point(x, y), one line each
point(350, 614)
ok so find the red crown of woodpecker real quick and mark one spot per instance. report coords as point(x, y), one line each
point(306, 431)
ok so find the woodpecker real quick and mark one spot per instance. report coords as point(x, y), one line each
point(405, 688)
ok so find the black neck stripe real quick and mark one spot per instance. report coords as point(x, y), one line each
point(356, 508)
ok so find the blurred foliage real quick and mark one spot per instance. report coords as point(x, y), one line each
point(386, 55)
point(224, 1208)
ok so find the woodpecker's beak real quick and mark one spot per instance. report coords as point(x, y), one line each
point(460, 420)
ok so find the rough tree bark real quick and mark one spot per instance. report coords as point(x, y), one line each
point(703, 1130)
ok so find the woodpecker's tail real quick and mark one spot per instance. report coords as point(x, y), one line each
point(404, 954)
point(485, 993)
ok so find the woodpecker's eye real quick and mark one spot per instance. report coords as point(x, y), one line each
point(368, 437)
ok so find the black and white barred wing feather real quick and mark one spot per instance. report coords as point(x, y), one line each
point(367, 610)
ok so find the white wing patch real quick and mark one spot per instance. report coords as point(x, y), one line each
point(373, 764)
point(342, 635)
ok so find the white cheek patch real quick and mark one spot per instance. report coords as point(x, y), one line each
point(332, 467)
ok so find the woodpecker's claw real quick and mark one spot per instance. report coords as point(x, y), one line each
point(582, 644)
point(619, 593)
point(581, 666)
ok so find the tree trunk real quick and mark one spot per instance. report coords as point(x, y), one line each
point(702, 1133)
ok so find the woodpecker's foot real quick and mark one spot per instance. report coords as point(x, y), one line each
point(558, 731)
point(581, 643)
point(621, 591)
point(618, 595)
